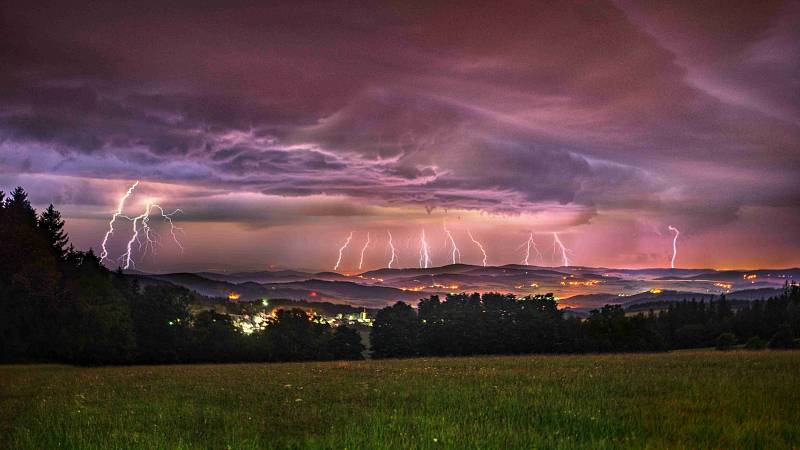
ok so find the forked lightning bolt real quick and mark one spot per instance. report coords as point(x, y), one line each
point(143, 220)
point(455, 251)
point(479, 246)
point(363, 249)
point(557, 241)
point(528, 244)
point(392, 249)
point(341, 250)
point(127, 257)
point(116, 214)
point(150, 237)
point(424, 255)
point(674, 244)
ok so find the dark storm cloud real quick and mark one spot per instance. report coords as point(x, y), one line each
point(506, 108)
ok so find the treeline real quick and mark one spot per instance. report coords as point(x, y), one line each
point(59, 304)
point(493, 323)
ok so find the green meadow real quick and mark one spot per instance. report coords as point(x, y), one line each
point(687, 399)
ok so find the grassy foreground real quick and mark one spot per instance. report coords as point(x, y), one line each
point(680, 399)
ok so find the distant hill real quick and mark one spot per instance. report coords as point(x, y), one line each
point(665, 296)
point(582, 288)
point(309, 290)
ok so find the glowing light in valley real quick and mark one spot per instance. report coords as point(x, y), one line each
point(424, 254)
point(363, 249)
point(557, 241)
point(341, 250)
point(480, 246)
point(455, 251)
point(528, 245)
point(392, 249)
point(116, 214)
point(674, 244)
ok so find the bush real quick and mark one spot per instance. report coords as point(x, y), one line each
point(755, 343)
point(726, 341)
point(783, 338)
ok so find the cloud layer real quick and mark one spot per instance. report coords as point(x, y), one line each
point(687, 114)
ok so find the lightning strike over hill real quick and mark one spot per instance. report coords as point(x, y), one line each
point(424, 254)
point(363, 249)
point(557, 241)
point(528, 245)
point(172, 227)
point(341, 250)
point(151, 239)
point(480, 246)
point(455, 251)
point(674, 245)
point(116, 214)
point(127, 257)
point(393, 258)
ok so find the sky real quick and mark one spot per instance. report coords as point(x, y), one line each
point(278, 128)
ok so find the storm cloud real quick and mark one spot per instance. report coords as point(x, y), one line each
point(687, 113)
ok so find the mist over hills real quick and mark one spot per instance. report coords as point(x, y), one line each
point(578, 288)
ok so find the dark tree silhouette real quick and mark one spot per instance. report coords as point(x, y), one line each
point(52, 227)
point(162, 323)
point(346, 344)
point(100, 328)
point(395, 333)
point(783, 338)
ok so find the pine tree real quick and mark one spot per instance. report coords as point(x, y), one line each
point(52, 227)
point(19, 208)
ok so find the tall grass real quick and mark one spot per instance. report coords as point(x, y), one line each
point(682, 399)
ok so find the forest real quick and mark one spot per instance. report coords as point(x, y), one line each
point(60, 304)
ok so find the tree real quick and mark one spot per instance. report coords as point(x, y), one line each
point(726, 341)
point(293, 335)
point(755, 343)
point(162, 321)
point(97, 319)
point(52, 227)
point(19, 207)
point(214, 338)
point(783, 338)
point(538, 324)
point(29, 282)
point(346, 344)
point(395, 333)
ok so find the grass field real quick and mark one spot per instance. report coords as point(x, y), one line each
point(680, 399)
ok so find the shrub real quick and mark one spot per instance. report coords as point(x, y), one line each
point(755, 343)
point(783, 338)
point(726, 341)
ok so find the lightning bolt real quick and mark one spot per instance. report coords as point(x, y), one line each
point(116, 214)
point(528, 244)
point(479, 246)
point(456, 251)
point(363, 249)
point(172, 227)
point(424, 255)
point(127, 257)
point(393, 250)
point(674, 244)
point(557, 241)
point(341, 249)
point(151, 239)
